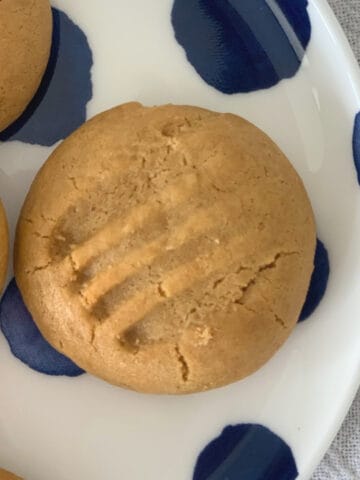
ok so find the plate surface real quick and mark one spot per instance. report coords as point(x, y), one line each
point(75, 428)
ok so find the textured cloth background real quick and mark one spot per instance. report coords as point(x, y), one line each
point(348, 13)
point(342, 461)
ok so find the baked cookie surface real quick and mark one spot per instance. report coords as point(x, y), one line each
point(166, 249)
point(5, 475)
point(25, 41)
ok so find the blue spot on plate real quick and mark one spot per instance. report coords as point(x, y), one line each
point(59, 106)
point(25, 339)
point(246, 452)
point(319, 281)
point(356, 145)
point(243, 45)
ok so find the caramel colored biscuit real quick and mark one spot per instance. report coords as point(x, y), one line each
point(25, 41)
point(5, 475)
point(166, 249)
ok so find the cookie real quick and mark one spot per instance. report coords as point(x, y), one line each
point(4, 246)
point(5, 475)
point(25, 41)
point(166, 249)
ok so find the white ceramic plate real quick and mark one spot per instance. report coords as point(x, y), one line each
point(62, 428)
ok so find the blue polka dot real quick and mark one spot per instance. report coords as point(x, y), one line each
point(246, 452)
point(25, 339)
point(242, 45)
point(319, 281)
point(356, 145)
point(59, 106)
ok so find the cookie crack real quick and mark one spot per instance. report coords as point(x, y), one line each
point(280, 321)
point(161, 290)
point(83, 297)
point(74, 183)
point(41, 236)
point(262, 268)
point(221, 279)
point(277, 318)
point(48, 219)
point(39, 268)
point(245, 306)
point(92, 335)
point(184, 367)
point(267, 266)
point(218, 282)
point(217, 188)
point(73, 263)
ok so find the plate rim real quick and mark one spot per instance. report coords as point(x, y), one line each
point(336, 32)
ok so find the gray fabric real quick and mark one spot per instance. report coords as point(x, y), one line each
point(342, 461)
point(348, 13)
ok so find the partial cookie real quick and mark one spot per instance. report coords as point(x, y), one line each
point(4, 246)
point(5, 475)
point(25, 41)
point(166, 249)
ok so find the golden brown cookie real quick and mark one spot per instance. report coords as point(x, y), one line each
point(5, 475)
point(4, 246)
point(166, 249)
point(25, 41)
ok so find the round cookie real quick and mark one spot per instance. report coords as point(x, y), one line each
point(4, 246)
point(166, 249)
point(25, 41)
point(5, 475)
